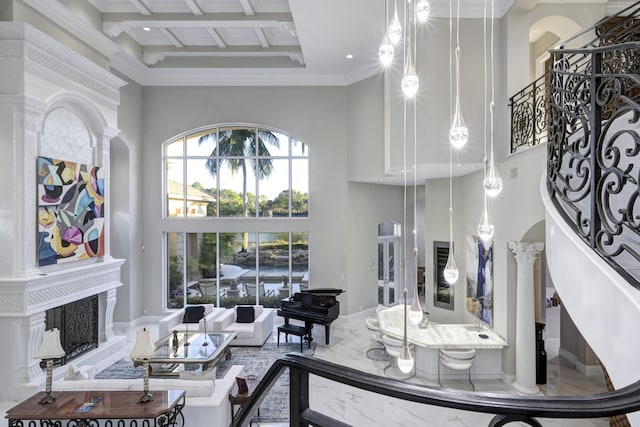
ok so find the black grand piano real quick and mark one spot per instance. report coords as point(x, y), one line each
point(317, 306)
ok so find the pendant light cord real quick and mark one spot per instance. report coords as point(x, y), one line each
point(404, 163)
point(493, 103)
point(484, 46)
point(450, 119)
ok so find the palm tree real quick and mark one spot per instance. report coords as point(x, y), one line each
point(236, 146)
point(243, 144)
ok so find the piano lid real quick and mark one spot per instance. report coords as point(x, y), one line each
point(323, 291)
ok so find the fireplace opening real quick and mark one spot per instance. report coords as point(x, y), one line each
point(78, 325)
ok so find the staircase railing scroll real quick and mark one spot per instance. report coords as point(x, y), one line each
point(593, 161)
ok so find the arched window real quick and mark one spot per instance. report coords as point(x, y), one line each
point(234, 182)
point(236, 171)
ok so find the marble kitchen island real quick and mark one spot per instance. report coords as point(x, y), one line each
point(428, 341)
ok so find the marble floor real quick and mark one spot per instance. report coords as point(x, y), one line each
point(349, 342)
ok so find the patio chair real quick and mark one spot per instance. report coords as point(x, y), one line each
point(250, 290)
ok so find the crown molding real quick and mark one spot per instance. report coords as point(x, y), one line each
point(59, 14)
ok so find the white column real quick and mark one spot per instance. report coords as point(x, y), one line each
point(525, 254)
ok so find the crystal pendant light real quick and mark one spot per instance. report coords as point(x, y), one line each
point(485, 227)
point(415, 312)
point(492, 179)
point(395, 29)
point(450, 268)
point(422, 10)
point(410, 82)
point(385, 52)
point(405, 361)
point(458, 134)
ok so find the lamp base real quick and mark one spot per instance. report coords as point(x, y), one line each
point(146, 397)
point(48, 398)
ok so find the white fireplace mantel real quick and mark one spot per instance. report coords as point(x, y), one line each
point(25, 296)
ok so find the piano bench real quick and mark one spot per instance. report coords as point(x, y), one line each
point(299, 331)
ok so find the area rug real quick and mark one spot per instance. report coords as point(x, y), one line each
point(256, 361)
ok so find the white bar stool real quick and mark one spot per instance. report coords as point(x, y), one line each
point(458, 360)
point(377, 352)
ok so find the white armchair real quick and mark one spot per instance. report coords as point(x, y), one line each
point(175, 321)
point(253, 328)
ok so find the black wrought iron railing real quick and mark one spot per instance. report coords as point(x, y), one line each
point(593, 161)
point(507, 408)
point(530, 105)
point(529, 118)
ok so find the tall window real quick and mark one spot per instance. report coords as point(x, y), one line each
point(242, 172)
point(253, 268)
point(236, 171)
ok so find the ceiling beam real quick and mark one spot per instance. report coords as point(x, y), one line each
point(187, 17)
point(246, 6)
point(261, 37)
point(216, 37)
point(141, 6)
point(171, 37)
point(194, 7)
point(170, 50)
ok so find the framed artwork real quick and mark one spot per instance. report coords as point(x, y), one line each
point(480, 278)
point(70, 211)
point(443, 295)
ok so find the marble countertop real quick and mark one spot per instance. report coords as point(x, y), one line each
point(436, 335)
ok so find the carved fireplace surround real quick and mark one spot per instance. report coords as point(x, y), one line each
point(24, 303)
point(54, 103)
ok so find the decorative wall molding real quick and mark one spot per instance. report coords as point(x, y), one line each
point(22, 40)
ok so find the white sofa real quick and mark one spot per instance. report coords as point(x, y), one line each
point(249, 334)
point(173, 322)
point(206, 402)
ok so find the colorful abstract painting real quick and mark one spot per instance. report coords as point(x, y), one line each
point(480, 279)
point(70, 211)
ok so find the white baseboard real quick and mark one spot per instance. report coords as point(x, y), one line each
point(586, 370)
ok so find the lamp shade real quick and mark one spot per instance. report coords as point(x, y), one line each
point(50, 348)
point(143, 347)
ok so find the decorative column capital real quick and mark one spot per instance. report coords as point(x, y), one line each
point(526, 253)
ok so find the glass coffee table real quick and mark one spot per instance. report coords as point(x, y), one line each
point(189, 352)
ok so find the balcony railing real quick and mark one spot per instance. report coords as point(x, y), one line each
point(530, 105)
point(529, 117)
point(507, 409)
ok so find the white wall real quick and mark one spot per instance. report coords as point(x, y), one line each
point(317, 116)
point(433, 100)
point(518, 22)
point(366, 129)
point(369, 205)
point(126, 198)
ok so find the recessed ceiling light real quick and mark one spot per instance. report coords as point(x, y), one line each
point(349, 56)
point(146, 29)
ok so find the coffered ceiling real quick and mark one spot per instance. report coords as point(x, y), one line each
point(237, 42)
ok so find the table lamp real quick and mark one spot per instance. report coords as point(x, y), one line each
point(50, 349)
point(144, 349)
